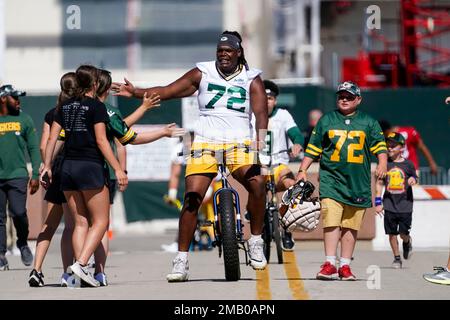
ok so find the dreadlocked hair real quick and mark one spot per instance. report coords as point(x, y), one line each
point(242, 59)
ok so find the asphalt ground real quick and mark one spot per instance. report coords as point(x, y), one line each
point(137, 268)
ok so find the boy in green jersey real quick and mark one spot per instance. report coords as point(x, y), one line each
point(344, 139)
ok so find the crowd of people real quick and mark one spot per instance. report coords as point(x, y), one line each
point(84, 161)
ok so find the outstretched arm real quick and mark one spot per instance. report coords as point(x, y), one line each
point(169, 130)
point(148, 103)
point(422, 147)
point(182, 87)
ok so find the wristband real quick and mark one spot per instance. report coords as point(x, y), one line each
point(378, 201)
point(301, 170)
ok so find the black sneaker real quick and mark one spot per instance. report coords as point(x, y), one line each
point(407, 249)
point(26, 255)
point(3, 263)
point(36, 279)
point(287, 242)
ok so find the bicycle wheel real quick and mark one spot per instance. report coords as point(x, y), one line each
point(267, 235)
point(277, 235)
point(228, 234)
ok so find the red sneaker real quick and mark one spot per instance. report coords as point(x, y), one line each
point(345, 273)
point(328, 272)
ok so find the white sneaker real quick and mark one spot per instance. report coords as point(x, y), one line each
point(256, 252)
point(65, 276)
point(173, 247)
point(84, 274)
point(101, 278)
point(180, 271)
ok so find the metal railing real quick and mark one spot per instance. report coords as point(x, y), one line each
point(441, 178)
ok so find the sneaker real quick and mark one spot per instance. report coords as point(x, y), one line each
point(26, 255)
point(287, 242)
point(328, 272)
point(256, 252)
point(397, 264)
point(3, 263)
point(64, 279)
point(407, 249)
point(84, 274)
point(345, 273)
point(180, 271)
point(442, 276)
point(36, 279)
point(101, 278)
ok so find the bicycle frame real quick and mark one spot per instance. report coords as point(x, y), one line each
point(226, 186)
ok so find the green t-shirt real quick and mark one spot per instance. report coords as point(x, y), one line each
point(117, 128)
point(345, 144)
point(18, 135)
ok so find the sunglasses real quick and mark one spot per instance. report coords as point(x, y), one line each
point(347, 97)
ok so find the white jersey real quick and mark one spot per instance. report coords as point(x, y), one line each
point(225, 113)
point(277, 140)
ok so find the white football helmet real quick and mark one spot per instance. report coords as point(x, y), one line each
point(302, 216)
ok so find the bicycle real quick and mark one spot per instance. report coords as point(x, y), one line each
point(272, 230)
point(202, 240)
point(227, 224)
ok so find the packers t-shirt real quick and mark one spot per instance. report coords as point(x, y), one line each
point(344, 145)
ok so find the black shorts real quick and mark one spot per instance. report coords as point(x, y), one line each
point(83, 175)
point(395, 223)
point(54, 193)
point(112, 190)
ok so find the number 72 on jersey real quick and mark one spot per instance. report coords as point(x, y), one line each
point(343, 135)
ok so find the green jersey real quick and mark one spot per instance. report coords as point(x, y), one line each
point(17, 136)
point(345, 144)
point(117, 128)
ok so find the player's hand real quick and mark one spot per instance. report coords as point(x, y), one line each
point(301, 175)
point(433, 168)
point(122, 179)
point(380, 171)
point(379, 210)
point(257, 145)
point(151, 102)
point(45, 178)
point(126, 89)
point(296, 149)
point(447, 100)
point(172, 131)
point(412, 181)
point(33, 185)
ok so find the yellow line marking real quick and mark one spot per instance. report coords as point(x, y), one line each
point(294, 277)
point(263, 284)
